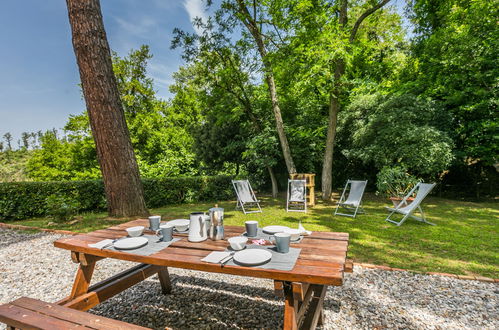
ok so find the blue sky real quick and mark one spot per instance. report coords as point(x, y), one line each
point(38, 72)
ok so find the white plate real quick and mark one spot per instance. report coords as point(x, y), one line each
point(130, 243)
point(181, 223)
point(252, 257)
point(274, 229)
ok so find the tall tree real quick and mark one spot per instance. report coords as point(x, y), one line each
point(223, 70)
point(350, 32)
point(455, 52)
point(254, 25)
point(8, 138)
point(25, 137)
point(124, 191)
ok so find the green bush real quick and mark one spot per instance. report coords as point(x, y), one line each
point(395, 181)
point(61, 208)
point(21, 200)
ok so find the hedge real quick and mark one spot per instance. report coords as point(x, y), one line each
point(21, 200)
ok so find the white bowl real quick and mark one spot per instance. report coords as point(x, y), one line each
point(180, 224)
point(135, 231)
point(238, 243)
point(295, 233)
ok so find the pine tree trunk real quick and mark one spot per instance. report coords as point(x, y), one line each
point(115, 154)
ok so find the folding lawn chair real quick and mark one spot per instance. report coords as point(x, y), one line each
point(297, 196)
point(245, 196)
point(354, 201)
point(407, 209)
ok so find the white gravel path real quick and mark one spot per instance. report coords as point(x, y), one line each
point(369, 299)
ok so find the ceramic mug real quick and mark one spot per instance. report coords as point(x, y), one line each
point(165, 232)
point(281, 241)
point(251, 228)
point(154, 222)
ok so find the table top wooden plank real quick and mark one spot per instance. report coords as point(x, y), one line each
point(308, 241)
point(321, 260)
point(315, 251)
point(238, 229)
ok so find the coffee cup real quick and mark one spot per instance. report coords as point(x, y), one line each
point(165, 233)
point(281, 241)
point(154, 222)
point(251, 228)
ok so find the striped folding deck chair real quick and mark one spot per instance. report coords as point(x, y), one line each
point(352, 203)
point(407, 210)
point(297, 196)
point(245, 196)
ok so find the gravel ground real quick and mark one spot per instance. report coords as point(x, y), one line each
point(369, 299)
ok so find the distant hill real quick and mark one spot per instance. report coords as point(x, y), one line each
point(13, 165)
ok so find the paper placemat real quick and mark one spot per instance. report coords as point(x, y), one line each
point(279, 261)
point(263, 235)
point(154, 245)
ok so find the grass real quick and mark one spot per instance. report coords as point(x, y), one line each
point(464, 240)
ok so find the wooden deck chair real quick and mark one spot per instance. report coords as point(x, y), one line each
point(297, 196)
point(407, 210)
point(245, 196)
point(354, 201)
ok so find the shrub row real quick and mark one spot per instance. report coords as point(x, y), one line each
point(21, 200)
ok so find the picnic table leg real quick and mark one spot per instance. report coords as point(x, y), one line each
point(164, 280)
point(315, 313)
point(290, 308)
point(82, 280)
point(303, 304)
point(83, 296)
point(321, 318)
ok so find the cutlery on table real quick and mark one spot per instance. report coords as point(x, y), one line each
point(226, 259)
point(111, 243)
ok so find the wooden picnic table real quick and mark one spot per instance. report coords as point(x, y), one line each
point(321, 263)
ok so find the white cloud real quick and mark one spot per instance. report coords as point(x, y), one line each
point(195, 9)
point(139, 27)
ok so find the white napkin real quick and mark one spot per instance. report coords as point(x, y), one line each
point(215, 257)
point(303, 230)
point(101, 244)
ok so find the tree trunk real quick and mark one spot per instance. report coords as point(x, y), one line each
point(286, 151)
point(334, 108)
point(124, 191)
point(334, 103)
point(252, 26)
point(275, 188)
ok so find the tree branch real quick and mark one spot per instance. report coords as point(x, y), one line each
point(363, 17)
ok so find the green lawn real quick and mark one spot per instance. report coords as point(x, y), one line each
point(464, 241)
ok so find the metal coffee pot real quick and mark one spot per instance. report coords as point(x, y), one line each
point(197, 227)
point(216, 230)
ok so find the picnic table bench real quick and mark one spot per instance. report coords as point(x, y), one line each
point(322, 262)
point(27, 313)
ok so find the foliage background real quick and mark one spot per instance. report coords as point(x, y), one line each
point(426, 101)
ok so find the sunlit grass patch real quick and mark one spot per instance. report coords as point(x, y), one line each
point(464, 240)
